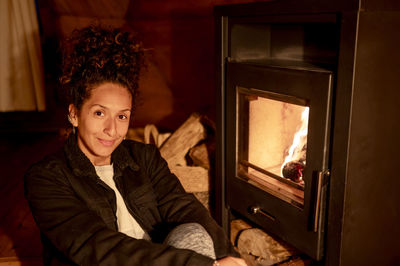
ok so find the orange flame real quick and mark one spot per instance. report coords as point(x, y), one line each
point(296, 151)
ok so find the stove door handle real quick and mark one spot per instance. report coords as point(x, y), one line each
point(319, 182)
point(256, 209)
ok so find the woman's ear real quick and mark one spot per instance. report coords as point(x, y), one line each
point(73, 115)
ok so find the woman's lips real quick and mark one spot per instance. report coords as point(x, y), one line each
point(107, 143)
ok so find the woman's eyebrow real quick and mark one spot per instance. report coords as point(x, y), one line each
point(99, 105)
point(104, 107)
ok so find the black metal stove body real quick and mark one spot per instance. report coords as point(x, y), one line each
point(340, 60)
point(276, 68)
point(337, 62)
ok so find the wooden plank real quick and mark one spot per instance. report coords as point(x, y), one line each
point(19, 235)
point(15, 261)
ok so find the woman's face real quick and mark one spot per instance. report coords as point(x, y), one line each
point(102, 122)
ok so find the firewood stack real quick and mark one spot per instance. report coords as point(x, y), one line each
point(258, 248)
point(187, 153)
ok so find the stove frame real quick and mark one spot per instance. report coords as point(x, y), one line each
point(362, 209)
point(252, 42)
point(299, 225)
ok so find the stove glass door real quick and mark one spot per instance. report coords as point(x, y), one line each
point(277, 124)
point(273, 143)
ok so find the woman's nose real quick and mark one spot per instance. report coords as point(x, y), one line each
point(110, 127)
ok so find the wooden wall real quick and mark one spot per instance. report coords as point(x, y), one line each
point(180, 76)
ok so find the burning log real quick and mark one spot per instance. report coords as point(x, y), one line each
point(295, 162)
point(293, 170)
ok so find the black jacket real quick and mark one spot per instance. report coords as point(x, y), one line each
point(75, 210)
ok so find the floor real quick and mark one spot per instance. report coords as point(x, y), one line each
point(19, 236)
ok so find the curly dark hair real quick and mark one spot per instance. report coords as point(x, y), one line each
point(95, 55)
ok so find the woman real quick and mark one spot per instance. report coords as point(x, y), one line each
point(103, 200)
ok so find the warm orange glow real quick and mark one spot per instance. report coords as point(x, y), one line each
point(271, 133)
point(298, 149)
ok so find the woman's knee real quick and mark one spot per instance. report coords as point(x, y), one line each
point(191, 236)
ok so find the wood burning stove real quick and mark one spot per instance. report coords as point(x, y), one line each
point(278, 123)
point(326, 73)
point(278, 74)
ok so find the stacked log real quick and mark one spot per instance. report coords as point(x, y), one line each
point(186, 153)
point(259, 248)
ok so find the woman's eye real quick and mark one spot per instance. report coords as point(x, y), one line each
point(99, 113)
point(123, 117)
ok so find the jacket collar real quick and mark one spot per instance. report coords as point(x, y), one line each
point(81, 165)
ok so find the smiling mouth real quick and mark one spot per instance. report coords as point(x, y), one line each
point(107, 143)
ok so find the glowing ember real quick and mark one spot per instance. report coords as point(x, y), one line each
point(295, 161)
point(293, 170)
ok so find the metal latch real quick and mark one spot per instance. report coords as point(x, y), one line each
point(320, 181)
point(256, 209)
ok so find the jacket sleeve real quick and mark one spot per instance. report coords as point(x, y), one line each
point(177, 206)
point(81, 235)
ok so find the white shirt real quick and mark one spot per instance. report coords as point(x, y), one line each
point(126, 223)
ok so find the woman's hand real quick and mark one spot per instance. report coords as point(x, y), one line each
point(231, 261)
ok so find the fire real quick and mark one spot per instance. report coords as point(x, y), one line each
point(296, 158)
